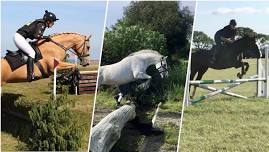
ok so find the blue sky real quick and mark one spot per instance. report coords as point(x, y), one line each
point(212, 16)
point(85, 17)
point(116, 8)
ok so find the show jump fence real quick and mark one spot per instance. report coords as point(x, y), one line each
point(262, 87)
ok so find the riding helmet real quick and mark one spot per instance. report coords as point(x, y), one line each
point(233, 22)
point(48, 16)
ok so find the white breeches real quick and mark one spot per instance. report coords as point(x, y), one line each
point(22, 44)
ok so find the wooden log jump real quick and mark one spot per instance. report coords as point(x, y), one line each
point(87, 82)
point(108, 131)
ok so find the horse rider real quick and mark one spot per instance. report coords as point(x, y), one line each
point(33, 30)
point(224, 37)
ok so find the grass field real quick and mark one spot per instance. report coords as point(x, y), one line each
point(38, 92)
point(224, 123)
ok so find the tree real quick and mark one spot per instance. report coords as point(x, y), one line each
point(261, 39)
point(245, 31)
point(201, 40)
point(164, 17)
point(122, 40)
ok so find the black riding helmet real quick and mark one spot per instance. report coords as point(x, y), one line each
point(233, 22)
point(48, 16)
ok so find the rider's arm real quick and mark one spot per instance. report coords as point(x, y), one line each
point(40, 28)
point(226, 39)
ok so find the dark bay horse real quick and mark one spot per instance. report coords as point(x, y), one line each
point(228, 57)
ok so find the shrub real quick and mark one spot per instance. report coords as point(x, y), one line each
point(53, 127)
point(174, 84)
point(122, 40)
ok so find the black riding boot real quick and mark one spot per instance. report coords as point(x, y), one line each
point(215, 52)
point(30, 69)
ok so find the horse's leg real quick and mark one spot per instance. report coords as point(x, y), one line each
point(118, 99)
point(141, 75)
point(240, 75)
point(246, 67)
point(193, 73)
point(201, 72)
point(65, 65)
point(61, 65)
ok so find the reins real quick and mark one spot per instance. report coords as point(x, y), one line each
point(66, 49)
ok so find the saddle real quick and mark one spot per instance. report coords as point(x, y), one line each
point(19, 58)
point(218, 50)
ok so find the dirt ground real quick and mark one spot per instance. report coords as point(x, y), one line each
point(133, 141)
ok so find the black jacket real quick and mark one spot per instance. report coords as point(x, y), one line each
point(226, 32)
point(33, 30)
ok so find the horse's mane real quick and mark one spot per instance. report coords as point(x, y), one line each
point(57, 34)
point(243, 38)
point(144, 51)
point(41, 41)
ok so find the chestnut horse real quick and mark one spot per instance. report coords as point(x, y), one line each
point(55, 48)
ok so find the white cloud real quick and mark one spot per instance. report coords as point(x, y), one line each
point(241, 10)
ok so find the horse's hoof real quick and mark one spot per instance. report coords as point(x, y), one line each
point(128, 102)
point(239, 75)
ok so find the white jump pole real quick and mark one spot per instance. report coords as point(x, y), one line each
point(259, 88)
point(76, 88)
point(206, 87)
point(54, 82)
point(262, 71)
point(266, 83)
point(56, 62)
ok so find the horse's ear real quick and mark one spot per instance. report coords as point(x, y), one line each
point(88, 37)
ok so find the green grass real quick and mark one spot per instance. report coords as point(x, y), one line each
point(11, 143)
point(38, 92)
point(105, 99)
point(224, 123)
point(170, 136)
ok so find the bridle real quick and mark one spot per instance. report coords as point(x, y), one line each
point(83, 45)
point(66, 49)
point(162, 68)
